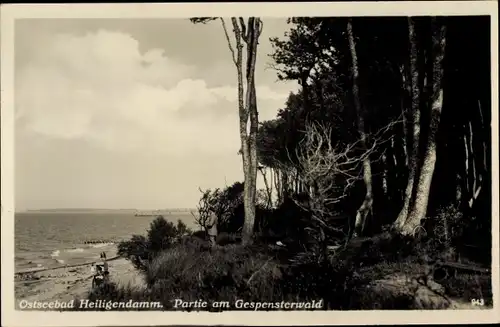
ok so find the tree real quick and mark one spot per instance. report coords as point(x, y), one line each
point(366, 206)
point(402, 63)
point(210, 206)
point(436, 98)
point(245, 33)
point(415, 121)
point(328, 173)
point(216, 207)
point(161, 235)
point(435, 104)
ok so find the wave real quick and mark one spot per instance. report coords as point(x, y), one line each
point(67, 255)
point(100, 245)
point(57, 253)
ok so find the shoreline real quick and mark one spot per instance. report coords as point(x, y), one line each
point(68, 282)
point(43, 269)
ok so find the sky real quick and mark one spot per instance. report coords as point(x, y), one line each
point(122, 113)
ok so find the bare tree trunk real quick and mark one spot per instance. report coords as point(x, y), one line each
point(277, 185)
point(479, 160)
point(415, 120)
point(247, 105)
point(271, 176)
point(251, 39)
point(366, 206)
point(419, 209)
point(467, 162)
point(284, 184)
point(472, 161)
point(243, 114)
point(406, 78)
point(475, 150)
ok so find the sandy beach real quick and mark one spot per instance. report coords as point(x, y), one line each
point(66, 283)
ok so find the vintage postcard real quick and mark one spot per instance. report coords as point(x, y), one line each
point(248, 164)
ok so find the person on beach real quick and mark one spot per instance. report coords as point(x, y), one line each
point(105, 268)
point(100, 271)
point(100, 268)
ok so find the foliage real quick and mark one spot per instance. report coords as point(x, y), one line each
point(223, 204)
point(208, 205)
point(119, 293)
point(136, 250)
point(162, 234)
point(447, 228)
point(221, 275)
point(259, 273)
point(202, 20)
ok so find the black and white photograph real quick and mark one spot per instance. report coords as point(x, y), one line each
point(237, 163)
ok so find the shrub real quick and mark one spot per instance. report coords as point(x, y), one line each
point(223, 274)
point(182, 230)
point(470, 286)
point(193, 270)
point(161, 235)
point(187, 267)
point(226, 238)
point(201, 234)
point(112, 293)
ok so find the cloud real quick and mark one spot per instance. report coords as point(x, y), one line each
point(99, 87)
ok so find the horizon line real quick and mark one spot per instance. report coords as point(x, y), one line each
point(106, 209)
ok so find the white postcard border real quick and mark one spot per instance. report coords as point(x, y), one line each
point(9, 13)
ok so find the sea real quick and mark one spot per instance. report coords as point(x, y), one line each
point(52, 239)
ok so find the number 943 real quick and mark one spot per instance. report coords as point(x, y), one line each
point(479, 302)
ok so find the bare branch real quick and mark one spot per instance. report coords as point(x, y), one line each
point(244, 32)
point(233, 54)
point(330, 171)
point(261, 27)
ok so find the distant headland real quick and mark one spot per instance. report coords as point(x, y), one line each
point(136, 212)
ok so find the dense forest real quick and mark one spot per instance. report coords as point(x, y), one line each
point(391, 124)
point(381, 160)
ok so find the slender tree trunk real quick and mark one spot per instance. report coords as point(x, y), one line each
point(297, 182)
point(268, 186)
point(474, 162)
point(467, 163)
point(389, 165)
point(284, 184)
point(414, 118)
point(480, 159)
point(419, 209)
point(251, 39)
point(402, 141)
point(277, 185)
point(243, 113)
point(406, 78)
point(366, 206)
point(247, 105)
point(271, 176)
